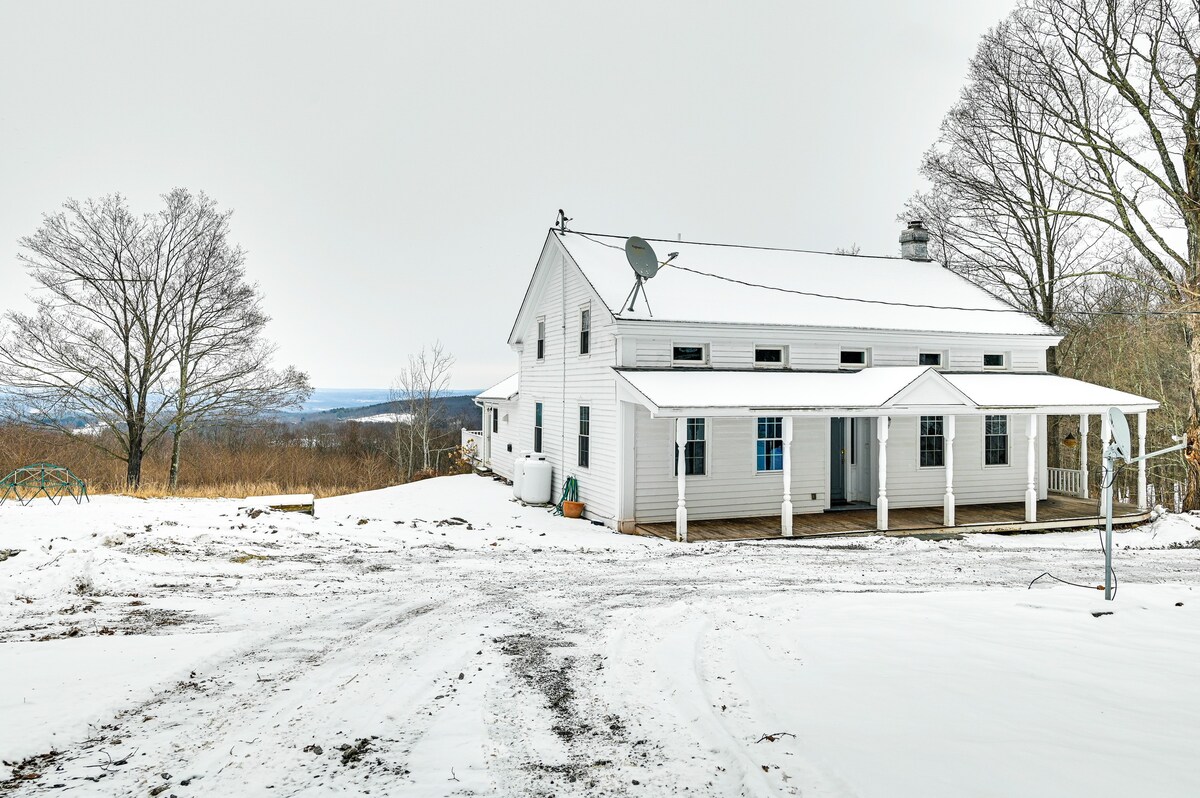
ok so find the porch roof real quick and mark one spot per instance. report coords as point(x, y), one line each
point(502, 391)
point(875, 391)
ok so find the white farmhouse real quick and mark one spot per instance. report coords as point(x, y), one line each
point(754, 392)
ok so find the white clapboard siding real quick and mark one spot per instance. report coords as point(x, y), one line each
point(564, 380)
point(506, 436)
point(732, 487)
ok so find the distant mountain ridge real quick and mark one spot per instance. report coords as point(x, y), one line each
point(345, 398)
point(456, 405)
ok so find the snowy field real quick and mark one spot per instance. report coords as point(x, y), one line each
point(439, 639)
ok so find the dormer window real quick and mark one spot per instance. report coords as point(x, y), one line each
point(770, 357)
point(995, 361)
point(689, 355)
point(854, 358)
point(930, 359)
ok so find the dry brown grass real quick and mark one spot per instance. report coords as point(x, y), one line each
point(322, 459)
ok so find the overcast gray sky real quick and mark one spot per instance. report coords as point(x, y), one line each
point(394, 166)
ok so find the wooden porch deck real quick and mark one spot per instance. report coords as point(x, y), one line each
point(1056, 512)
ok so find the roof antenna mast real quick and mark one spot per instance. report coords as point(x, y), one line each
point(561, 221)
point(645, 265)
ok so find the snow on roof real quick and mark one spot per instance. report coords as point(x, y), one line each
point(502, 391)
point(896, 388)
point(679, 295)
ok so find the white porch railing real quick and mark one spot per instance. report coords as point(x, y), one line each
point(1066, 481)
point(473, 441)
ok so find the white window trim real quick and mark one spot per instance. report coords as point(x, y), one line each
point(983, 441)
point(708, 452)
point(579, 338)
point(785, 356)
point(691, 364)
point(1007, 360)
point(866, 350)
point(778, 472)
point(579, 435)
point(539, 332)
point(943, 356)
point(936, 467)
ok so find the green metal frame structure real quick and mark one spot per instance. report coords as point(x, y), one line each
point(43, 479)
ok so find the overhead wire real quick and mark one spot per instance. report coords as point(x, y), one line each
point(593, 237)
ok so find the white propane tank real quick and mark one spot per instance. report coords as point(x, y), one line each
point(519, 473)
point(535, 486)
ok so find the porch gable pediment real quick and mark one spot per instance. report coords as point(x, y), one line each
point(932, 389)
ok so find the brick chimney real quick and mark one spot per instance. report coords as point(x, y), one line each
point(914, 241)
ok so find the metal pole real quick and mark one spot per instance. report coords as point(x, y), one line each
point(1108, 513)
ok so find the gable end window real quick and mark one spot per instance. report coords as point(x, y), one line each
point(929, 359)
point(537, 427)
point(995, 440)
point(770, 356)
point(933, 442)
point(695, 450)
point(585, 331)
point(853, 358)
point(689, 354)
point(585, 436)
point(541, 340)
point(995, 361)
point(769, 456)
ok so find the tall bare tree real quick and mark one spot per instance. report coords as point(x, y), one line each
point(997, 211)
point(420, 387)
point(1119, 83)
point(222, 362)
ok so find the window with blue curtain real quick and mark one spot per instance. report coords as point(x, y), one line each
point(770, 443)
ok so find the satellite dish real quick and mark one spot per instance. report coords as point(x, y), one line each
point(1120, 432)
point(641, 257)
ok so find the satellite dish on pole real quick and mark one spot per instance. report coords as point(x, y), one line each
point(644, 263)
point(1120, 432)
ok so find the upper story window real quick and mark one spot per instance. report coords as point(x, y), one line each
point(541, 340)
point(769, 456)
point(770, 356)
point(933, 442)
point(995, 361)
point(853, 358)
point(930, 359)
point(585, 331)
point(689, 355)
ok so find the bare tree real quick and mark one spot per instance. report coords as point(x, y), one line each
point(998, 213)
point(222, 363)
point(1119, 83)
point(420, 387)
point(98, 343)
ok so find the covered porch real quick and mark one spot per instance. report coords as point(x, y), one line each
point(1054, 512)
point(996, 478)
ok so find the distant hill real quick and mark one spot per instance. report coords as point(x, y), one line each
point(343, 398)
point(455, 407)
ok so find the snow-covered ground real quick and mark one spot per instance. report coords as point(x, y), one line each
point(440, 639)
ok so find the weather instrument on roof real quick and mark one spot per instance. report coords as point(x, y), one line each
point(645, 264)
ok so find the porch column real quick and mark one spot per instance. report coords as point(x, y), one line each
point(1105, 435)
point(948, 503)
point(1083, 459)
point(787, 477)
point(1141, 463)
point(681, 480)
point(881, 503)
point(1031, 426)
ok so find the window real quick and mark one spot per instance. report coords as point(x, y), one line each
point(768, 356)
point(541, 345)
point(537, 427)
point(995, 440)
point(929, 359)
point(495, 419)
point(995, 361)
point(695, 450)
point(770, 443)
point(933, 443)
point(585, 331)
point(585, 436)
point(689, 354)
point(854, 357)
